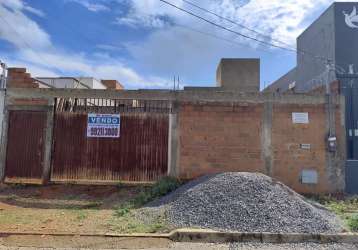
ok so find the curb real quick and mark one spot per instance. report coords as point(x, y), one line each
point(205, 236)
point(100, 235)
point(209, 236)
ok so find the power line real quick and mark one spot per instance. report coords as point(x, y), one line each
point(234, 22)
point(233, 42)
point(328, 61)
point(227, 29)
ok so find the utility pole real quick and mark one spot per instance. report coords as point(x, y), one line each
point(3, 75)
point(174, 84)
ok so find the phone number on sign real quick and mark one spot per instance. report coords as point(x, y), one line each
point(104, 131)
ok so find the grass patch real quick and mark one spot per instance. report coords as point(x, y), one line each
point(130, 224)
point(159, 189)
point(123, 210)
point(125, 222)
point(148, 194)
point(353, 223)
point(14, 219)
point(81, 215)
point(346, 209)
point(11, 197)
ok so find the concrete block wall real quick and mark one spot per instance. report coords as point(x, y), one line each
point(238, 74)
point(261, 137)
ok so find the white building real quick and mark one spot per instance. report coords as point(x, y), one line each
point(71, 82)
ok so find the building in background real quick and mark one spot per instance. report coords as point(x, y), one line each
point(326, 50)
point(327, 61)
point(19, 78)
point(72, 82)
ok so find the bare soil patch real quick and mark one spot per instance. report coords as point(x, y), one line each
point(68, 208)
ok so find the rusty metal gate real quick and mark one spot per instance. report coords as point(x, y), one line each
point(25, 148)
point(140, 154)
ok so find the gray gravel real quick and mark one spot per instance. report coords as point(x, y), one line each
point(302, 246)
point(244, 202)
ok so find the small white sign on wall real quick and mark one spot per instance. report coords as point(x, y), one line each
point(300, 118)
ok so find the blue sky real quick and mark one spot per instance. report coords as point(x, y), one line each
point(144, 43)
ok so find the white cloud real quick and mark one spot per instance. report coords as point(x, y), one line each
point(109, 47)
point(18, 29)
point(172, 49)
point(136, 21)
point(35, 51)
point(149, 13)
point(51, 63)
point(280, 20)
point(91, 6)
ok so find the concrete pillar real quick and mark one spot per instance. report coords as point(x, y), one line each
point(173, 143)
point(266, 137)
point(335, 161)
point(48, 137)
point(3, 147)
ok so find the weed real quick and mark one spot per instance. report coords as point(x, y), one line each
point(160, 188)
point(127, 223)
point(82, 215)
point(337, 207)
point(165, 186)
point(353, 223)
point(123, 210)
point(11, 197)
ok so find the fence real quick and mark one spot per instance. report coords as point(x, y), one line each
point(25, 149)
point(138, 154)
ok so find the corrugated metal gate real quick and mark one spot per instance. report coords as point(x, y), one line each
point(140, 154)
point(25, 148)
point(349, 88)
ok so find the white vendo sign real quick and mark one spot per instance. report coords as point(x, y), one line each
point(301, 118)
point(103, 125)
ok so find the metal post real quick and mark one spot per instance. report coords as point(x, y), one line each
point(3, 75)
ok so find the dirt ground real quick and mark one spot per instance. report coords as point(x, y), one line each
point(67, 208)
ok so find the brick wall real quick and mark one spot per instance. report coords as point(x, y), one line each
point(218, 138)
point(289, 159)
point(18, 78)
point(112, 84)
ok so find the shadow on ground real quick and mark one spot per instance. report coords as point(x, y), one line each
point(67, 196)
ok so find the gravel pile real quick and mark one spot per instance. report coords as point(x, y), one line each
point(245, 202)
